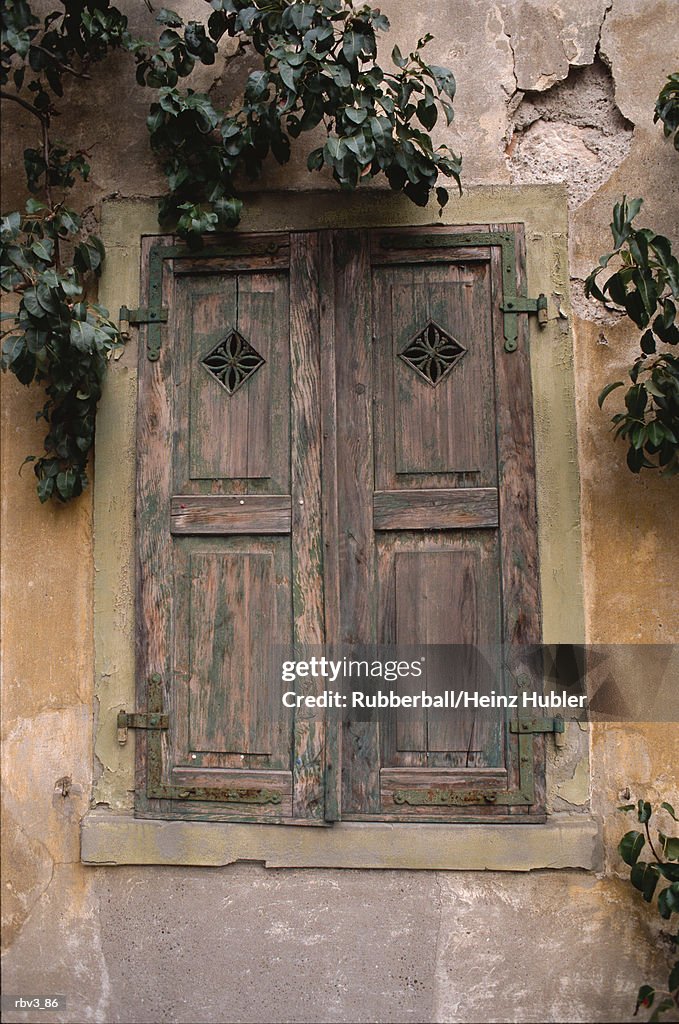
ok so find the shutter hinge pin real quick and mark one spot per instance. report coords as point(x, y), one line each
point(555, 725)
point(143, 315)
point(139, 721)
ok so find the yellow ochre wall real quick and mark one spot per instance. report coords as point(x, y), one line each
point(548, 92)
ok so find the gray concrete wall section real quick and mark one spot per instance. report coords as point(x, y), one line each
point(249, 944)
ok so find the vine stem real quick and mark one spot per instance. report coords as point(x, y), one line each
point(650, 843)
point(63, 67)
point(23, 103)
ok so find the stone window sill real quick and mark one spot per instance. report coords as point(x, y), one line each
point(562, 842)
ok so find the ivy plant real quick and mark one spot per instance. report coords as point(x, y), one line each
point(54, 335)
point(658, 882)
point(317, 69)
point(645, 287)
point(667, 109)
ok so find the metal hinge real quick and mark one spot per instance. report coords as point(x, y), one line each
point(143, 315)
point(139, 721)
point(522, 304)
point(535, 725)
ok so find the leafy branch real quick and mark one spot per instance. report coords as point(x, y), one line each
point(667, 109)
point(645, 287)
point(645, 876)
point(55, 335)
point(318, 70)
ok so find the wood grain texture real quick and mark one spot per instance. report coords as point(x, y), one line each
point(342, 500)
point(444, 509)
point(439, 436)
point(307, 525)
point(223, 514)
point(518, 510)
point(154, 562)
point(232, 609)
point(355, 486)
point(331, 560)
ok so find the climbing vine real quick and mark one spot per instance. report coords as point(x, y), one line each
point(317, 69)
point(644, 285)
point(657, 880)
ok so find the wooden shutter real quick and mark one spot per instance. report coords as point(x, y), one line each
point(307, 477)
point(229, 521)
point(436, 515)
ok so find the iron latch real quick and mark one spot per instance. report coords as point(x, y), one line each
point(139, 721)
point(535, 725)
point(143, 315)
point(522, 304)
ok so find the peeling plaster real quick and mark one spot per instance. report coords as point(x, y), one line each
point(573, 132)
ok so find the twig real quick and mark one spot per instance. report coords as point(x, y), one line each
point(27, 106)
point(60, 64)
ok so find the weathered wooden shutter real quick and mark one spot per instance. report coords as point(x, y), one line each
point(229, 525)
point(335, 446)
point(437, 527)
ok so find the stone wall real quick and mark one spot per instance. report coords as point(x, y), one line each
point(548, 92)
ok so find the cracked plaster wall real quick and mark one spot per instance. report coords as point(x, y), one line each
point(557, 89)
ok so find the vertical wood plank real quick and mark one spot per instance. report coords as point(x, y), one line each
point(154, 563)
point(355, 486)
point(517, 501)
point(331, 575)
point(307, 527)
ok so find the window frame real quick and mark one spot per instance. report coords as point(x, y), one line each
point(566, 838)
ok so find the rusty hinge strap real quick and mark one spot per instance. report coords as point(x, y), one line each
point(444, 797)
point(529, 725)
point(522, 304)
point(230, 795)
point(138, 720)
point(142, 315)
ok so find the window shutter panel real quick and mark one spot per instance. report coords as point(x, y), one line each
point(334, 447)
point(229, 527)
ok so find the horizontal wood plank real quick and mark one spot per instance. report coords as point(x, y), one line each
point(448, 778)
point(230, 513)
point(219, 778)
point(456, 508)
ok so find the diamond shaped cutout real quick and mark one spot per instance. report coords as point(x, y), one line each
point(233, 361)
point(432, 353)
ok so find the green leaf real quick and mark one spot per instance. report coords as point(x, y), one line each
point(444, 79)
point(287, 76)
point(644, 811)
point(630, 846)
point(670, 809)
point(45, 488)
point(66, 482)
point(167, 17)
point(398, 58)
point(668, 901)
point(606, 392)
point(302, 15)
point(670, 846)
point(82, 335)
point(645, 877)
point(645, 997)
point(31, 304)
point(315, 159)
point(673, 980)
